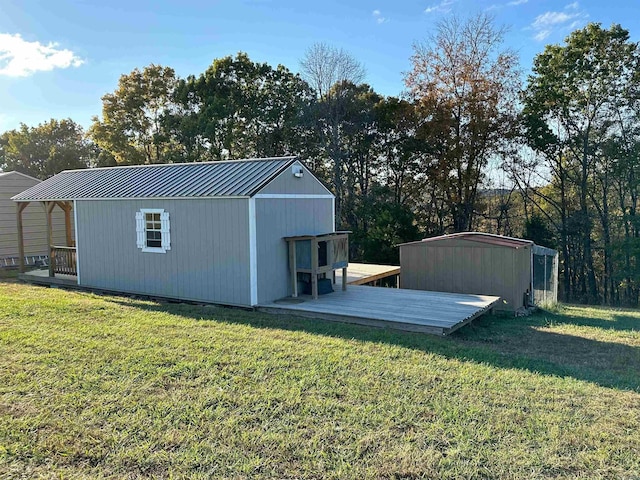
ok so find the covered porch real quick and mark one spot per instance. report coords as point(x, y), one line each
point(62, 263)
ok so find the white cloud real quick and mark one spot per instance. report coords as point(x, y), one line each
point(443, 7)
point(378, 16)
point(549, 22)
point(20, 58)
point(517, 2)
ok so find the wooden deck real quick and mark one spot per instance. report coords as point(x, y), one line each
point(412, 310)
point(361, 273)
point(41, 277)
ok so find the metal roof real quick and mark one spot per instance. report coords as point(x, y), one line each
point(479, 237)
point(13, 172)
point(235, 178)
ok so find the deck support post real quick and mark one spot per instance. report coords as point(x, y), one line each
point(344, 279)
point(20, 208)
point(292, 266)
point(314, 268)
point(49, 206)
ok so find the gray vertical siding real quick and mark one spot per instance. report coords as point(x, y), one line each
point(462, 266)
point(208, 260)
point(286, 183)
point(34, 220)
point(281, 217)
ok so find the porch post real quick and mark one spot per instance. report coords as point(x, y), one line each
point(19, 209)
point(67, 223)
point(49, 206)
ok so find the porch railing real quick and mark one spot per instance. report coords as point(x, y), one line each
point(63, 260)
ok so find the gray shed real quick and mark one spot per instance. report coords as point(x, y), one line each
point(514, 269)
point(211, 232)
point(35, 223)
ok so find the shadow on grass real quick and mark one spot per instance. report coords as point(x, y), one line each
point(500, 341)
point(620, 320)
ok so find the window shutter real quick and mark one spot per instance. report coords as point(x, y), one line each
point(140, 229)
point(165, 229)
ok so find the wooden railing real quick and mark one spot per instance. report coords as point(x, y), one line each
point(63, 260)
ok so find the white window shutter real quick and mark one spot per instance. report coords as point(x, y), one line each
point(166, 230)
point(140, 229)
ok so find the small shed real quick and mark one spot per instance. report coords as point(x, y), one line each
point(34, 223)
point(211, 231)
point(517, 270)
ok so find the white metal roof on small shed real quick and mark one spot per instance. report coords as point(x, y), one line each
point(234, 178)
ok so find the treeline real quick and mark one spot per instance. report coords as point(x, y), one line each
point(468, 146)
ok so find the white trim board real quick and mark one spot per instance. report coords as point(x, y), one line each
point(253, 253)
point(333, 213)
point(293, 195)
point(75, 231)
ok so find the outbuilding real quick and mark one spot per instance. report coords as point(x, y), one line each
point(211, 231)
point(517, 270)
point(34, 223)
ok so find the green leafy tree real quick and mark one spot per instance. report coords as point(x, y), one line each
point(46, 149)
point(572, 101)
point(132, 129)
point(384, 225)
point(238, 108)
point(537, 229)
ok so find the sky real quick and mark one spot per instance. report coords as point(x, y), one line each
point(58, 58)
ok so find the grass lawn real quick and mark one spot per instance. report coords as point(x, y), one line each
point(110, 387)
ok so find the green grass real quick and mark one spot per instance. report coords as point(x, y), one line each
point(110, 387)
point(8, 273)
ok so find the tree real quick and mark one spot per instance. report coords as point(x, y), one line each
point(324, 66)
point(238, 108)
point(384, 224)
point(572, 101)
point(335, 76)
point(46, 149)
point(466, 87)
point(537, 229)
point(132, 126)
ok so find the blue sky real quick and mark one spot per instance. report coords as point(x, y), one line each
point(57, 58)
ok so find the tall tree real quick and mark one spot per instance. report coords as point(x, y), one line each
point(132, 129)
point(335, 76)
point(46, 149)
point(572, 99)
point(324, 66)
point(466, 84)
point(238, 108)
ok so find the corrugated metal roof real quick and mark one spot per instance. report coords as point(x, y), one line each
point(480, 238)
point(236, 178)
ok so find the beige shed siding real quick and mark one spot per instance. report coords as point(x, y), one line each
point(462, 266)
point(33, 217)
point(282, 217)
point(287, 183)
point(208, 260)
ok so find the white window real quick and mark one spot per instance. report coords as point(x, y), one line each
point(153, 230)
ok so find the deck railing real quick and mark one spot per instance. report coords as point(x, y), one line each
point(63, 260)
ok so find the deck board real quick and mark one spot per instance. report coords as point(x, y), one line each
point(42, 277)
point(414, 310)
point(361, 273)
